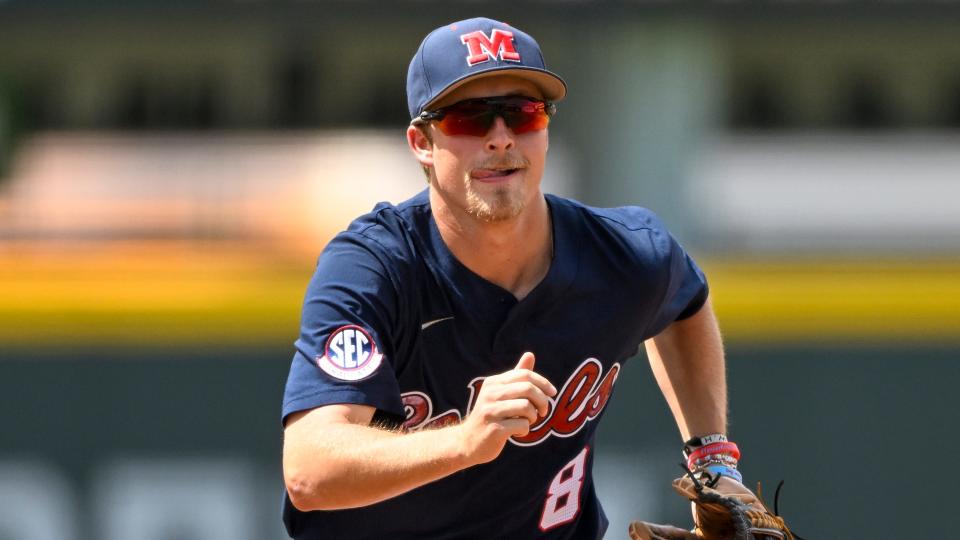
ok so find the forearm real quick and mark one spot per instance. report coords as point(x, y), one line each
point(688, 363)
point(333, 459)
point(346, 465)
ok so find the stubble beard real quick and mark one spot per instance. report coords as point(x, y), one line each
point(502, 204)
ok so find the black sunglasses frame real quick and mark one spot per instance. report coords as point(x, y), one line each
point(500, 105)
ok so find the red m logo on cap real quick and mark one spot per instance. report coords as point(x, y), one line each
point(482, 49)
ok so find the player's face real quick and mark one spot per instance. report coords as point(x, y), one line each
point(495, 176)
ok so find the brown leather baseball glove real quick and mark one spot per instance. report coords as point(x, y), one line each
point(723, 509)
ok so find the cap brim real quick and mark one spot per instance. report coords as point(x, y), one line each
point(551, 86)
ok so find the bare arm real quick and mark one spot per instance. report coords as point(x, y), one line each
point(333, 458)
point(687, 361)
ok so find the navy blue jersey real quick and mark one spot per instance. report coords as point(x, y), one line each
point(393, 320)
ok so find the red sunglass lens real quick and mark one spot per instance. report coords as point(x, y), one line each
point(530, 116)
point(475, 117)
point(467, 119)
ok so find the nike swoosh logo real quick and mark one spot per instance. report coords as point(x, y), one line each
point(428, 324)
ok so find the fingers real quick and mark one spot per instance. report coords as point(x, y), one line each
point(526, 361)
point(524, 372)
point(507, 405)
point(522, 381)
point(725, 486)
point(520, 408)
point(515, 427)
point(542, 383)
point(729, 486)
point(523, 389)
point(641, 530)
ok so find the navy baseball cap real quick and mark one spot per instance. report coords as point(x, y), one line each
point(464, 51)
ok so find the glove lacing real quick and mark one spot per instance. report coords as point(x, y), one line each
point(746, 520)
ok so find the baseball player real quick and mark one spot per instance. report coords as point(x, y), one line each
point(457, 350)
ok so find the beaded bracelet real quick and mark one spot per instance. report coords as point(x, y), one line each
point(716, 449)
point(699, 463)
point(719, 455)
point(719, 459)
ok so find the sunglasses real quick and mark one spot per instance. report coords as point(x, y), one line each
point(476, 116)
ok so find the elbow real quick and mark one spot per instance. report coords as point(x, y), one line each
point(324, 490)
point(300, 490)
point(309, 477)
point(307, 491)
point(317, 475)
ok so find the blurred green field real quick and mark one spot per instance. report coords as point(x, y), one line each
point(194, 294)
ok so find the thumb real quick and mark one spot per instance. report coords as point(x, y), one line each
point(526, 361)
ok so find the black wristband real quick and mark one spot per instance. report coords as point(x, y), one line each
point(696, 442)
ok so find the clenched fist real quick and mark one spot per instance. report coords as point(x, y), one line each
point(507, 405)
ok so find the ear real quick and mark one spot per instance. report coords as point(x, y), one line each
point(420, 145)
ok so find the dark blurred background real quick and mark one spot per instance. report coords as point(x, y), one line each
point(169, 172)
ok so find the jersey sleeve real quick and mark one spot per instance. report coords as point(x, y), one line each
point(347, 334)
point(684, 285)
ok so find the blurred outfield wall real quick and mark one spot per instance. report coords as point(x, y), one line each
point(180, 168)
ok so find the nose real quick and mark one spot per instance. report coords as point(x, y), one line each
point(500, 137)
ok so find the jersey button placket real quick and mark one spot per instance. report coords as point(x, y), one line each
point(508, 339)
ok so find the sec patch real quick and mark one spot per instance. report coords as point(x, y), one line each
point(350, 354)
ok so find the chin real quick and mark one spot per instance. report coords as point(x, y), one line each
point(498, 215)
point(495, 207)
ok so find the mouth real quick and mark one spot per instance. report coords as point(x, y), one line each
point(493, 175)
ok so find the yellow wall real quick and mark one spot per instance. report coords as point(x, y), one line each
point(229, 293)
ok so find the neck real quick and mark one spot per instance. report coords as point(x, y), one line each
point(514, 254)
